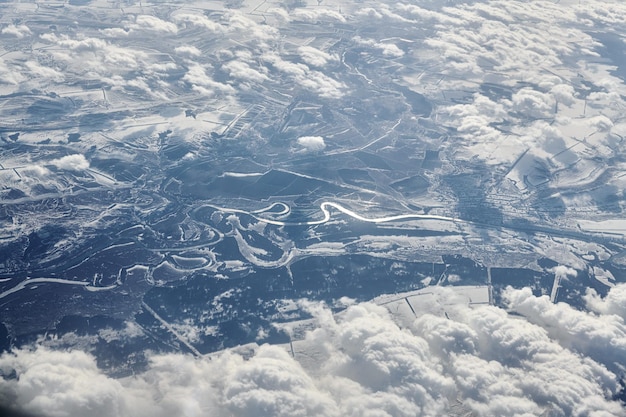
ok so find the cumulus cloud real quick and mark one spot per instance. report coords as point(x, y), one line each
point(59, 383)
point(273, 384)
point(383, 11)
point(485, 42)
point(187, 50)
point(19, 31)
point(95, 54)
point(239, 23)
point(600, 123)
point(475, 123)
point(305, 77)
point(74, 162)
point(564, 93)
point(82, 44)
point(316, 15)
point(203, 83)
point(605, 13)
point(9, 74)
point(480, 106)
point(312, 143)
point(533, 103)
point(613, 303)
point(199, 21)
point(36, 171)
point(428, 15)
point(146, 22)
point(43, 72)
point(315, 57)
point(562, 271)
point(387, 48)
point(601, 337)
point(478, 38)
point(548, 358)
point(243, 71)
point(115, 32)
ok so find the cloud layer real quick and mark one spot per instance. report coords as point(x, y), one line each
point(546, 358)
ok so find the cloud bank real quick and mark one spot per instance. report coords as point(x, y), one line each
point(547, 358)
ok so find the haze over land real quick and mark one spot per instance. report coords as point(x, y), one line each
point(181, 178)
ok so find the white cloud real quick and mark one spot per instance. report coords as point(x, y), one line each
point(478, 38)
point(81, 44)
point(45, 73)
point(125, 58)
point(602, 12)
point(8, 74)
point(475, 122)
point(299, 71)
point(59, 384)
point(304, 77)
point(533, 103)
point(312, 143)
point(521, 367)
point(564, 93)
point(280, 13)
point(199, 21)
point(36, 171)
point(203, 83)
point(241, 24)
point(387, 48)
point(563, 272)
point(365, 363)
point(600, 123)
point(429, 15)
point(316, 15)
point(549, 358)
point(146, 22)
point(273, 384)
point(480, 106)
point(613, 303)
point(383, 11)
point(187, 50)
point(115, 32)
point(243, 71)
point(74, 162)
point(315, 57)
point(601, 337)
point(95, 54)
point(19, 31)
